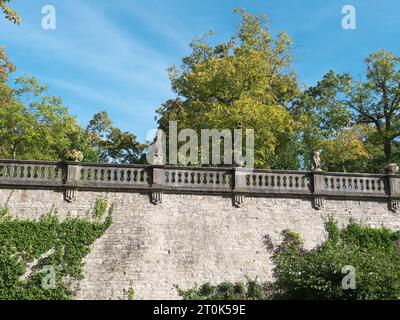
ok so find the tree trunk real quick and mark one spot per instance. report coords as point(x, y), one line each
point(388, 150)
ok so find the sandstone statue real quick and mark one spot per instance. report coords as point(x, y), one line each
point(392, 168)
point(315, 161)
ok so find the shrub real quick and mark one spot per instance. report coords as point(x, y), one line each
point(224, 291)
point(317, 273)
point(373, 253)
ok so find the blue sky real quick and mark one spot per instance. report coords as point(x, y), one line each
point(112, 55)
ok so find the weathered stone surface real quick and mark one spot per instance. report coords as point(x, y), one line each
point(188, 239)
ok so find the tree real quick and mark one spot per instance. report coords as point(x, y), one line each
point(347, 150)
point(325, 122)
point(10, 14)
point(6, 67)
point(244, 83)
point(112, 144)
point(33, 124)
point(376, 100)
point(357, 122)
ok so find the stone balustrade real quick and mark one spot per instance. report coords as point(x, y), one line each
point(35, 173)
point(235, 182)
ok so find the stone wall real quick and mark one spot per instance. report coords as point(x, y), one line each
point(189, 238)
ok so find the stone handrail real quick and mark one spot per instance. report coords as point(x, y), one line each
point(238, 182)
point(16, 172)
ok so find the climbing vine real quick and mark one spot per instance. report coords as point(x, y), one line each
point(44, 259)
point(100, 208)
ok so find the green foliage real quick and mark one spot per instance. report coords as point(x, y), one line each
point(243, 83)
point(131, 294)
point(6, 67)
point(355, 123)
point(37, 126)
point(247, 83)
point(33, 125)
point(48, 242)
point(111, 143)
point(317, 274)
point(5, 213)
point(100, 207)
point(224, 291)
point(10, 14)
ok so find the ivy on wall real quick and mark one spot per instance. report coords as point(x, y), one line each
point(100, 208)
point(44, 259)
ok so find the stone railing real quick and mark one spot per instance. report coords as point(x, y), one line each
point(236, 182)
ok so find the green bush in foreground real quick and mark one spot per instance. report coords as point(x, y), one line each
point(323, 272)
point(317, 274)
point(31, 251)
point(224, 291)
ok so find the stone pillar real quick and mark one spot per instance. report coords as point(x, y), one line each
point(73, 173)
point(318, 189)
point(157, 176)
point(72, 181)
point(239, 185)
point(157, 184)
point(239, 178)
point(393, 186)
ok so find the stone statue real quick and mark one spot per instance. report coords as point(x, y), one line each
point(392, 168)
point(315, 161)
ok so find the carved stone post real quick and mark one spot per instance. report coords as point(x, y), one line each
point(70, 195)
point(72, 181)
point(318, 187)
point(158, 176)
point(156, 197)
point(238, 200)
point(239, 185)
point(239, 177)
point(393, 186)
point(157, 183)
